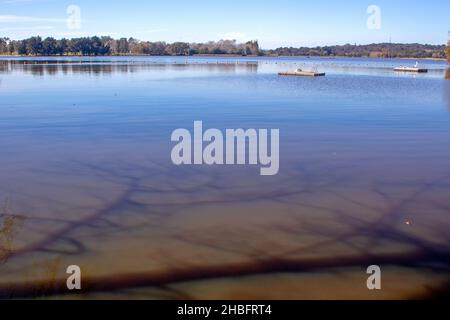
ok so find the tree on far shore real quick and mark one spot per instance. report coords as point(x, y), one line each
point(447, 50)
point(103, 46)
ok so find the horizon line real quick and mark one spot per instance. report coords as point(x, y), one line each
point(236, 40)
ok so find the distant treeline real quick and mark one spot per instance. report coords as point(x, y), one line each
point(380, 50)
point(447, 50)
point(101, 46)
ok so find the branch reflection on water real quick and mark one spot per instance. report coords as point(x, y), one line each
point(103, 202)
point(10, 225)
point(314, 225)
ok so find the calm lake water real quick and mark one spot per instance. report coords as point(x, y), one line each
point(86, 178)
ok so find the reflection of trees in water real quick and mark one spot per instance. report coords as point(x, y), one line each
point(447, 87)
point(154, 200)
point(41, 68)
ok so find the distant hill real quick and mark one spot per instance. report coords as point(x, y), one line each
point(376, 50)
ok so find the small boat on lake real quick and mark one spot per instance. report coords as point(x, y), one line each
point(411, 69)
point(300, 72)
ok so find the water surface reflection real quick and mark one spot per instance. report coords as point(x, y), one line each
point(86, 179)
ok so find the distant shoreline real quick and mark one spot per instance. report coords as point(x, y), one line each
point(216, 56)
point(370, 58)
point(107, 46)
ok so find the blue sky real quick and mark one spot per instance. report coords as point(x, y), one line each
point(273, 23)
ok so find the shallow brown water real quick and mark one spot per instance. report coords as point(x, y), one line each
point(86, 179)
